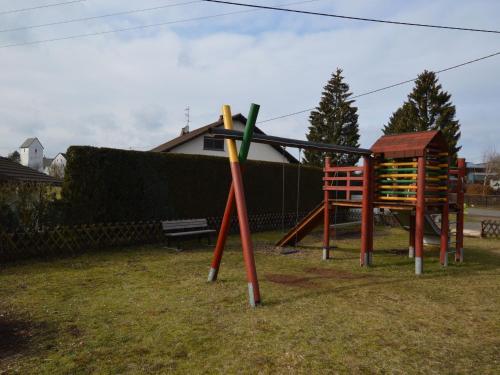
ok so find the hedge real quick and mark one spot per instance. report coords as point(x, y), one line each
point(111, 185)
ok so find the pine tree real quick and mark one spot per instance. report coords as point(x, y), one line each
point(334, 121)
point(402, 121)
point(428, 108)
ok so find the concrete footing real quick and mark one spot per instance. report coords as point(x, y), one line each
point(212, 274)
point(445, 263)
point(251, 298)
point(418, 266)
point(411, 252)
point(366, 259)
point(326, 253)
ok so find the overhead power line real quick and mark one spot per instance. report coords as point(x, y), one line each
point(140, 27)
point(386, 87)
point(40, 7)
point(400, 23)
point(97, 17)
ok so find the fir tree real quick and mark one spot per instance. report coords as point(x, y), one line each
point(428, 108)
point(334, 121)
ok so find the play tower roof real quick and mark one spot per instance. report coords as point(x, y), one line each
point(407, 145)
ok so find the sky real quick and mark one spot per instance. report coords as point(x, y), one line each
point(130, 89)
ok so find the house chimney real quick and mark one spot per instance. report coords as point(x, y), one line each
point(185, 130)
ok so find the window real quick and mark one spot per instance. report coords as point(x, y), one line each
point(213, 144)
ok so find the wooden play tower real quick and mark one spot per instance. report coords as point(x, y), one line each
point(407, 172)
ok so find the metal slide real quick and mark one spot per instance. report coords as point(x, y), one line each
point(432, 232)
point(306, 225)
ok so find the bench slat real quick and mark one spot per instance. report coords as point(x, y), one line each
point(181, 234)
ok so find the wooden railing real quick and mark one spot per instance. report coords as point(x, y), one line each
point(343, 179)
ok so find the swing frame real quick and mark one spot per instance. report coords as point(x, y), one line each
point(236, 195)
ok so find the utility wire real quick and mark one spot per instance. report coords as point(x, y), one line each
point(39, 7)
point(385, 87)
point(75, 36)
point(97, 17)
point(352, 17)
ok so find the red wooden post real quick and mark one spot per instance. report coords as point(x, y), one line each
point(419, 217)
point(411, 247)
point(222, 237)
point(348, 184)
point(445, 227)
point(459, 254)
point(367, 214)
point(326, 213)
point(241, 208)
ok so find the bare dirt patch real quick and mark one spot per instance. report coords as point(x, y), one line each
point(291, 280)
point(74, 331)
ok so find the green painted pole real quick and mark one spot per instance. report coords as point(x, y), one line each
point(248, 132)
point(230, 204)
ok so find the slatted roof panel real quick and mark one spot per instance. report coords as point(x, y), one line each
point(407, 145)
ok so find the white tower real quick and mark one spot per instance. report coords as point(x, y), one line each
point(31, 152)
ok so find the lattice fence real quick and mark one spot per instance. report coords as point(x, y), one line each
point(490, 228)
point(75, 239)
point(69, 240)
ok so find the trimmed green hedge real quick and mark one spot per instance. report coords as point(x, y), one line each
point(110, 185)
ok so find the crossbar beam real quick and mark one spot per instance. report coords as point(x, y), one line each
point(288, 142)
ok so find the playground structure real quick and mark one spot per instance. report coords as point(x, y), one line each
point(408, 174)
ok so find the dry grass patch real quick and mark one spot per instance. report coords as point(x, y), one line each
point(149, 310)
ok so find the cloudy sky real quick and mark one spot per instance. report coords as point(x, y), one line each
point(130, 89)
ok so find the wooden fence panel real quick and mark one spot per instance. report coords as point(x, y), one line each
point(490, 228)
point(71, 240)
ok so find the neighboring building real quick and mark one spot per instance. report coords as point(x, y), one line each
point(56, 166)
point(476, 173)
point(198, 142)
point(31, 152)
point(10, 171)
point(31, 155)
point(46, 164)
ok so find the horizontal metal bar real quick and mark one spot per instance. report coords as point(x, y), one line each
point(288, 142)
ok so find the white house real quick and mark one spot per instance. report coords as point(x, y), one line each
point(57, 165)
point(31, 152)
point(198, 142)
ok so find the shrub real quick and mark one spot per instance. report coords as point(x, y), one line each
point(27, 205)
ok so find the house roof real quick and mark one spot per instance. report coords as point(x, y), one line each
point(12, 171)
point(27, 143)
point(406, 145)
point(47, 162)
point(167, 146)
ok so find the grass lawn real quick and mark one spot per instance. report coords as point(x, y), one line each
point(149, 310)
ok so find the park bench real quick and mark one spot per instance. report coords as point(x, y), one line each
point(178, 229)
